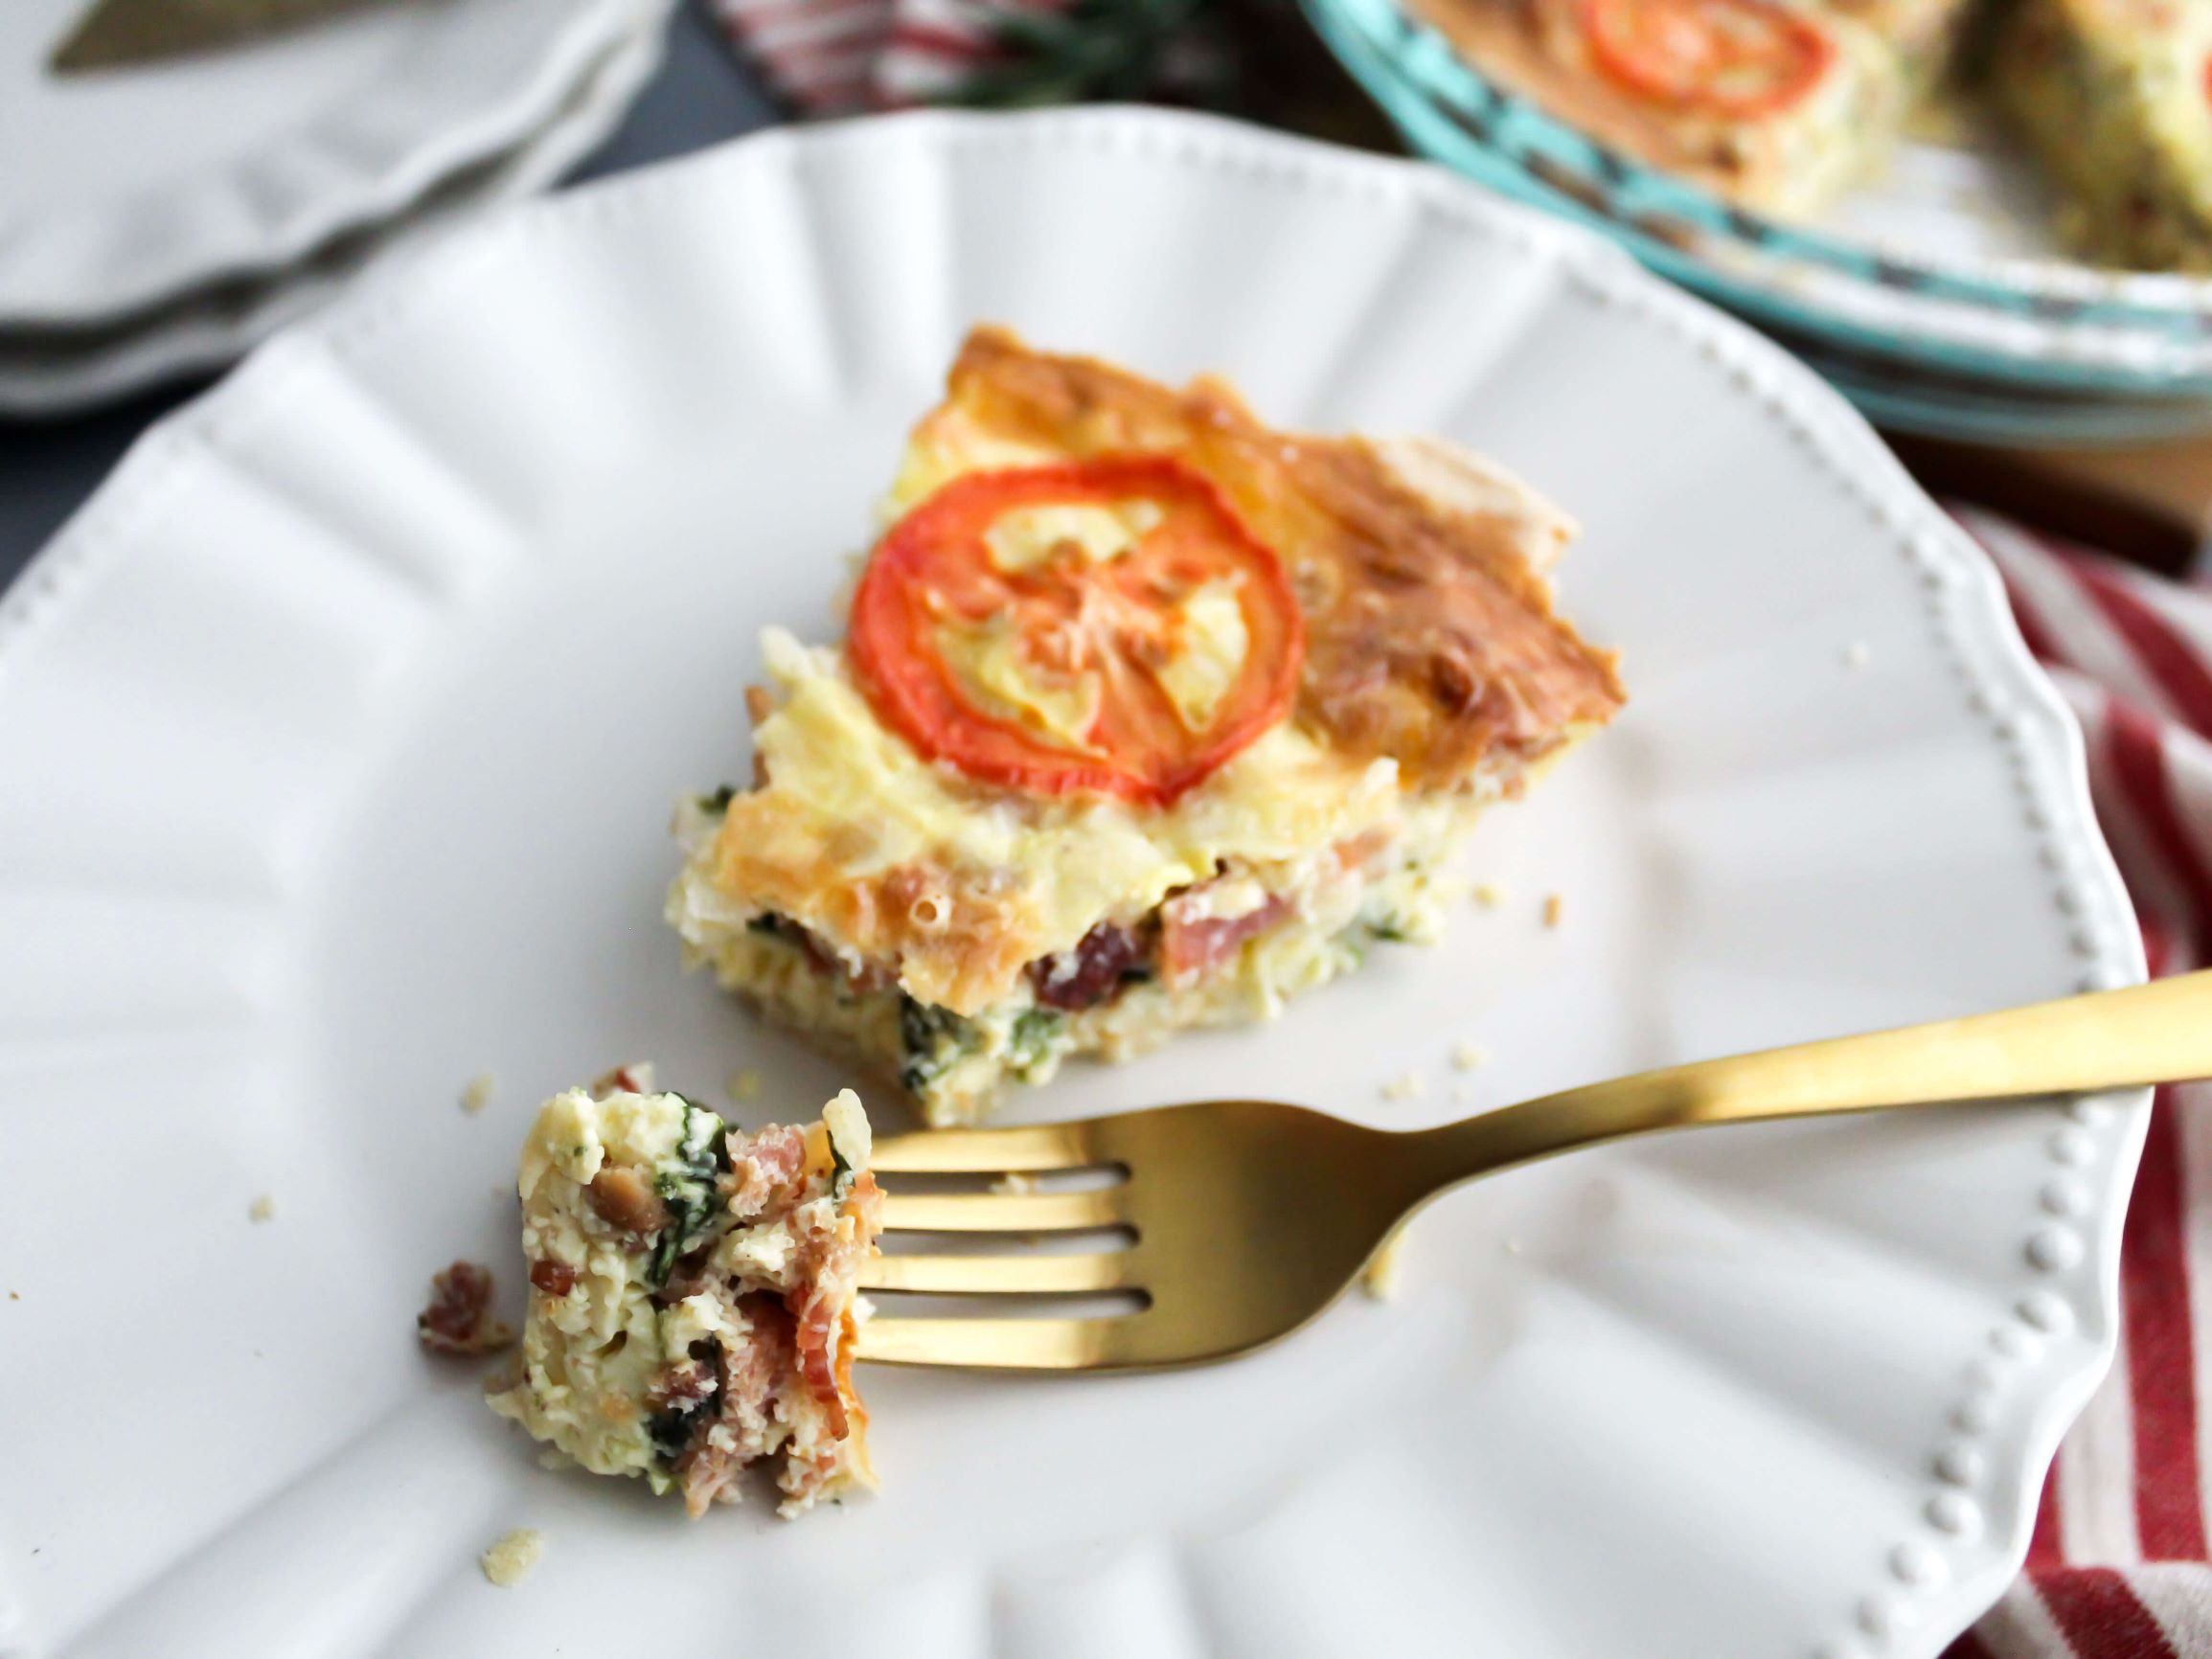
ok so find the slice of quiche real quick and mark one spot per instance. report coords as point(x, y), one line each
point(1928, 37)
point(2116, 97)
point(693, 1297)
point(1148, 717)
point(1776, 104)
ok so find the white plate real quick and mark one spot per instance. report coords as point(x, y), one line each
point(355, 703)
point(53, 373)
point(124, 188)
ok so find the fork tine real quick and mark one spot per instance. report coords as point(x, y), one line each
point(985, 1274)
point(992, 1344)
point(1013, 1212)
point(992, 1152)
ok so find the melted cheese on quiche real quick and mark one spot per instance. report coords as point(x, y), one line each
point(1027, 535)
point(1211, 642)
point(996, 665)
point(1012, 674)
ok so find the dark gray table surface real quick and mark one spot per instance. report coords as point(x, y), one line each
point(47, 468)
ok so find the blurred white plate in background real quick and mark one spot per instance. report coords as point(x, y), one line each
point(50, 373)
point(123, 189)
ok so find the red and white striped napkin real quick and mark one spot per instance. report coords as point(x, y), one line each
point(2117, 1569)
point(840, 57)
point(843, 57)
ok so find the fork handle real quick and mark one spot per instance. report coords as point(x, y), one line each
point(2158, 1032)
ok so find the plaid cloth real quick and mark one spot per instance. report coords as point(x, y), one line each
point(2118, 1565)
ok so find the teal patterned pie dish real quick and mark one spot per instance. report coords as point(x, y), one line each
point(1935, 339)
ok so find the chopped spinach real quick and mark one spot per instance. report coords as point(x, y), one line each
point(689, 1190)
point(934, 1039)
point(671, 1430)
point(1029, 1042)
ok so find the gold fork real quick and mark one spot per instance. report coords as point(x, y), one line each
point(1245, 1219)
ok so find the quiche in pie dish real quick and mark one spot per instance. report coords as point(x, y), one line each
point(693, 1297)
point(1781, 105)
point(2117, 98)
point(1148, 717)
point(1774, 104)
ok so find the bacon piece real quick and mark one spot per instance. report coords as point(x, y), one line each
point(815, 1321)
point(1093, 971)
point(622, 1080)
point(743, 1430)
point(553, 1278)
point(765, 1170)
point(458, 1319)
point(705, 1471)
point(1191, 947)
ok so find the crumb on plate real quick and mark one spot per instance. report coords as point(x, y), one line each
point(264, 1207)
point(1551, 909)
point(1489, 895)
point(512, 1555)
point(1405, 1086)
point(476, 1093)
point(745, 1086)
point(1380, 1277)
point(1467, 1056)
point(458, 1318)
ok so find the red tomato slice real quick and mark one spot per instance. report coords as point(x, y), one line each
point(1114, 624)
point(1726, 57)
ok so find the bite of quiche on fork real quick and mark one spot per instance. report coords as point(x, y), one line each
point(1148, 717)
point(694, 1292)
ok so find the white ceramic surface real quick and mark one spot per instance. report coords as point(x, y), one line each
point(123, 189)
point(355, 703)
point(50, 373)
